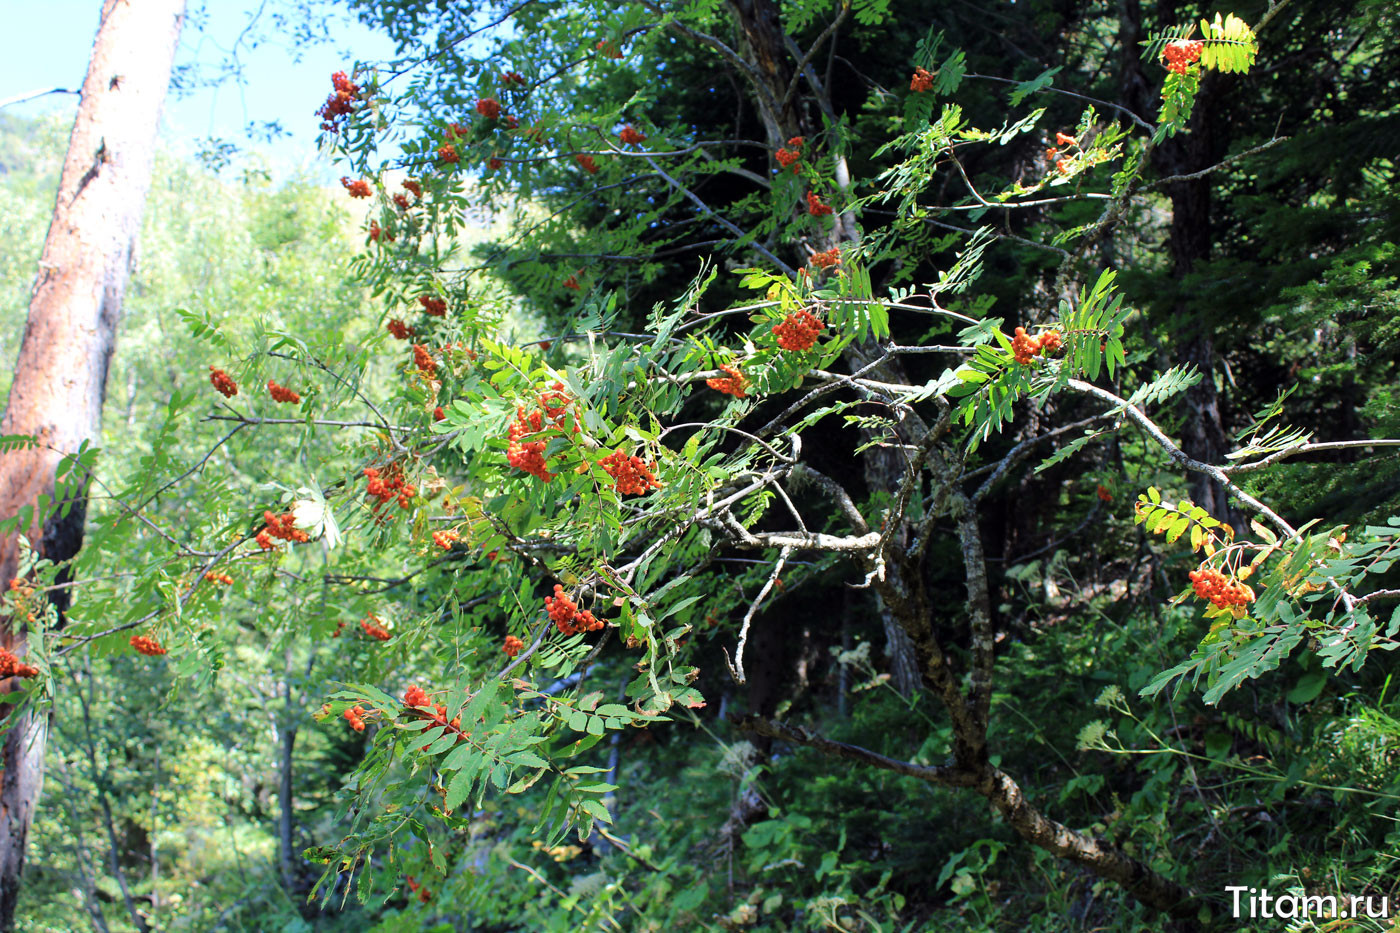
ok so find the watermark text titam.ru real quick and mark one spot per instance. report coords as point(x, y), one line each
point(1258, 903)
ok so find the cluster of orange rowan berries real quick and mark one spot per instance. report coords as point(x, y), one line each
point(1104, 493)
point(410, 184)
point(444, 539)
point(389, 485)
point(376, 231)
point(528, 456)
point(1222, 591)
point(398, 329)
point(494, 164)
point(12, 666)
point(23, 592)
point(1180, 53)
point(798, 331)
point(358, 188)
point(218, 578)
point(339, 627)
point(439, 414)
point(433, 306)
point(566, 615)
point(282, 393)
point(424, 360)
point(734, 382)
point(788, 158)
point(146, 645)
point(448, 153)
point(921, 81)
point(1026, 348)
point(355, 715)
point(1053, 154)
point(416, 696)
point(282, 527)
point(827, 258)
point(338, 104)
point(223, 382)
point(488, 107)
point(632, 475)
point(371, 626)
point(424, 895)
point(572, 282)
point(512, 77)
point(815, 207)
point(586, 161)
point(631, 136)
point(512, 646)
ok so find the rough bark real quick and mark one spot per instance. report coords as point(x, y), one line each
point(61, 373)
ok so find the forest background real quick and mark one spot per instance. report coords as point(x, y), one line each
point(223, 786)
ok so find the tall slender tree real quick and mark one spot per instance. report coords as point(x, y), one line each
point(61, 375)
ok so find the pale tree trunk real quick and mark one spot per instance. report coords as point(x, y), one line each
point(61, 374)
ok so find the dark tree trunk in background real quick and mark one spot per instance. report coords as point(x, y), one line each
point(1203, 434)
point(60, 377)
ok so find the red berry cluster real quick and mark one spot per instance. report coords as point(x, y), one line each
point(439, 414)
point(493, 164)
point(448, 153)
point(411, 185)
point(512, 77)
point(734, 382)
point(223, 382)
point(567, 617)
point(339, 627)
point(12, 666)
point(218, 578)
point(282, 393)
point(339, 103)
point(528, 456)
point(358, 188)
point(631, 136)
point(1222, 591)
point(921, 81)
point(282, 527)
point(827, 258)
point(488, 107)
point(512, 646)
point(146, 645)
point(788, 158)
point(1179, 54)
point(424, 895)
point(432, 305)
point(633, 475)
point(355, 715)
point(1104, 493)
point(572, 282)
point(1062, 165)
point(424, 360)
point(416, 696)
point(398, 329)
point(587, 162)
point(376, 231)
point(444, 539)
point(815, 207)
point(798, 331)
point(389, 485)
point(370, 624)
point(1027, 348)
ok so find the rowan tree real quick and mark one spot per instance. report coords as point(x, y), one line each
point(538, 542)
